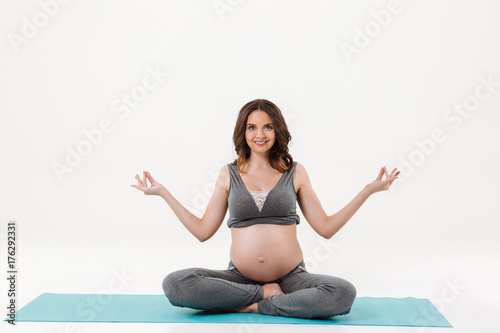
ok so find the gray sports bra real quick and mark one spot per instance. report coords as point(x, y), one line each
point(278, 207)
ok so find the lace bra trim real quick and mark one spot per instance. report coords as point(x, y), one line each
point(259, 197)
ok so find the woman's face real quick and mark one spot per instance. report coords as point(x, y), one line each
point(259, 128)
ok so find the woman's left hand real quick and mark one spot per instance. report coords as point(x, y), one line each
point(382, 185)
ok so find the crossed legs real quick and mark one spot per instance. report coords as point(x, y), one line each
point(298, 294)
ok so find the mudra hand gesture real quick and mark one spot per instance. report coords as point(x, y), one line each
point(382, 185)
point(155, 188)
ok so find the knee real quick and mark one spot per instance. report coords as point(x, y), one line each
point(169, 284)
point(347, 294)
point(341, 296)
point(172, 287)
point(178, 285)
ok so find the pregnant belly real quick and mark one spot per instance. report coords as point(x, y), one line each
point(265, 252)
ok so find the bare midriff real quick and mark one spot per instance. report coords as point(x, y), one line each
point(265, 252)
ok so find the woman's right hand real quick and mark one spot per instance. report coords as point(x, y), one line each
point(382, 185)
point(155, 188)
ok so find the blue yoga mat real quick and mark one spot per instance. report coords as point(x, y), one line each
point(371, 311)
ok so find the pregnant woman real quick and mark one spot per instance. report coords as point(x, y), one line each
point(266, 273)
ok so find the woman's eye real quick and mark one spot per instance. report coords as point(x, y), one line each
point(251, 127)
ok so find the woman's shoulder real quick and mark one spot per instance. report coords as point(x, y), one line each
point(223, 176)
point(300, 175)
point(300, 169)
point(297, 165)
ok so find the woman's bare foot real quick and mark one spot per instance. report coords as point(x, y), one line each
point(251, 308)
point(270, 289)
point(246, 308)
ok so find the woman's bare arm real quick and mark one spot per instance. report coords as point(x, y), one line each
point(203, 228)
point(328, 225)
point(192, 223)
point(336, 221)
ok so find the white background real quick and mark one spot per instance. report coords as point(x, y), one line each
point(348, 115)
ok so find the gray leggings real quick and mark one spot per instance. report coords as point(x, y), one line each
point(306, 295)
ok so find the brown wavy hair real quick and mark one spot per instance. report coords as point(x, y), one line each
point(279, 158)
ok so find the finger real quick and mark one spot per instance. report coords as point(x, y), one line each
point(139, 181)
point(386, 173)
point(393, 171)
point(380, 174)
point(137, 187)
point(150, 177)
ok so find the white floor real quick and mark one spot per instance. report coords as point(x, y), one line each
point(473, 306)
